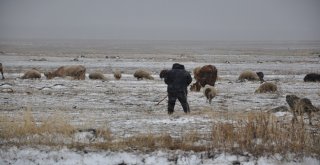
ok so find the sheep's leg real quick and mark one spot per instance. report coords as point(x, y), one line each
point(294, 118)
point(309, 116)
point(302, 118)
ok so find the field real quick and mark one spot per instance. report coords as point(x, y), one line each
point(124, 115)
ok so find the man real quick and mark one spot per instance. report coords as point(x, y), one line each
point(177, 79)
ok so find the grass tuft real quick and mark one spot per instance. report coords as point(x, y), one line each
point(261, 134)
point(257, 133)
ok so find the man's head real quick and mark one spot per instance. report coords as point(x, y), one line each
point(177, 66)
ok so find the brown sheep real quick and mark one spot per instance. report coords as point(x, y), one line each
point(117, 74)
point(76, 71)
point(249, 75)
point(312, 77)
point(163, 73)
point(97, 76)
point(267, 87)
point(31, 74)
point(300, 106)
point(210, 92)
point(1, 70)
point(206, 75)
point(140, 74)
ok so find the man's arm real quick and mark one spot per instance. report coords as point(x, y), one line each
point(189, 78)
point(167, 79)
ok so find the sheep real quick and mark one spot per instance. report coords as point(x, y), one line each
point(140, 74)
point(1, 70)
point(249, 75)
point(117, 74)
point(300, 106)
point(163, 73)
point(97, 76)
point(195, 87)
point(196, 73)
point(208, 75)
point(76, 71)
point(267, 87)
point(31, 74)
point(312, 77)
point(205, 75)
point(210, 92)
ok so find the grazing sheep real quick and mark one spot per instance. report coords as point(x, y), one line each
point(163, 73)
point(117, 74)
point(210, 92)
point(76, 71)
point(267, 87)
point(140, 74)
point(300, 106)
point(206, 75)
point(97, 76)
point(1, 70)
point(31, 74)
point(248, 75)
point(312, 77)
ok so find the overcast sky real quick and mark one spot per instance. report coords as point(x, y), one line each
point(161, 19)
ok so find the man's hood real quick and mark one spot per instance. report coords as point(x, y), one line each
point(177, 66)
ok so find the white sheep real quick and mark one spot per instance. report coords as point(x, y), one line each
point(210, 92)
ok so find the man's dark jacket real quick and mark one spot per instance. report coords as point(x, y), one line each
point(178, 79)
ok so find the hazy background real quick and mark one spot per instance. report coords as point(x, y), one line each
point(161, 19)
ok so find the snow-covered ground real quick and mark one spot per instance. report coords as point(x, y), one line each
point(64, 156)
point(128, 106)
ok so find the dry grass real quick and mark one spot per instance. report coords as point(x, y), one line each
point(257, 133)
point(27, 131)
point(260, 134)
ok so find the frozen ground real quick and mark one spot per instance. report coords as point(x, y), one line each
point(128, 106)
point(22, 156)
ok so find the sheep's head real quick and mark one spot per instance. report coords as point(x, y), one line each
point(291, 100)
point(48, 75)
point(117, 75)
point(260, 75)
point(195, 87)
